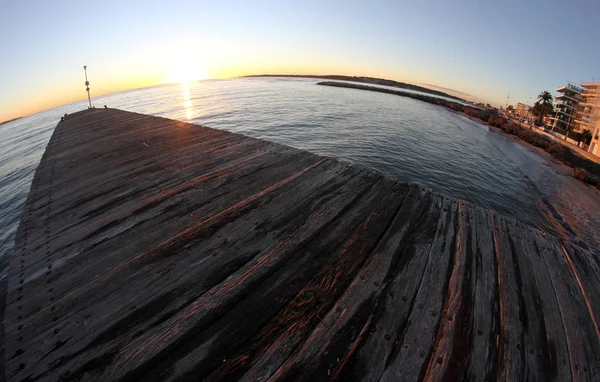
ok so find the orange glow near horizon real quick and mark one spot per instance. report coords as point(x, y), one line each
point(60, 94)
point(184, 60)
point(186, 69)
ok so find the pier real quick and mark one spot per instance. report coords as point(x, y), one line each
point(151, 250)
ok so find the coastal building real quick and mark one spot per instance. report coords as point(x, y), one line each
point(588, 116)
point(523, 110)
point(587, 106)
point(595, 143)
point(566, 106)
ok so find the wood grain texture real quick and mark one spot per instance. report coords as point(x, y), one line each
point(151, 249)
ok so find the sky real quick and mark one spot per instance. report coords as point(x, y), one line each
point(482, 49)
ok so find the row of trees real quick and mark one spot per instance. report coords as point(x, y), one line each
point(544, 106)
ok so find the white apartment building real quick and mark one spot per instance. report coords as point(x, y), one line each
point(588, 114)
point(523, 110)
point(566, 105)
point(589, 117)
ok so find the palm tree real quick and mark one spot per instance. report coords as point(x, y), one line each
point(544, 105)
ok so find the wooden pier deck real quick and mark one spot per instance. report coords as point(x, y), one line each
point(151, 249)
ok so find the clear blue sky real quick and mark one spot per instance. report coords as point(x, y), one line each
point(483, 48)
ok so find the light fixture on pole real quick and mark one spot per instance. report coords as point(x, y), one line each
point(87, 86)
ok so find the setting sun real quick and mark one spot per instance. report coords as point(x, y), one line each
point(184, 71)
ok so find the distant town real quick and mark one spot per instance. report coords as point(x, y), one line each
point(573, 115)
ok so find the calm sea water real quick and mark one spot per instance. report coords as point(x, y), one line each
point(409, 139)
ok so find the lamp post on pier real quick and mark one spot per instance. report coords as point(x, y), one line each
point(87, 86)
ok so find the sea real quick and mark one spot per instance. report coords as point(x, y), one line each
point(398, 136)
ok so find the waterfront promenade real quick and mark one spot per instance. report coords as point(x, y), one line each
point(152, 249)
point(558, 139)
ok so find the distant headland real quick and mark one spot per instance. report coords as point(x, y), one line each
point(367, 80)
point(457, 106)
point(10, 120)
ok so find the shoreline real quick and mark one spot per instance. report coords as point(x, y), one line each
point(558, 165)
point(575, 201)
point(584, 169)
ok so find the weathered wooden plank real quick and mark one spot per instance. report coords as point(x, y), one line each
point(91, 294)
point(534, 344)
point(510, 336)
point(159, 341)
point(395, 305)
point(169, 193)
point(321, 293)
point(337, 336)
point(450, 354)
point(415, 340)
point(215, 260)
point(105, 256)
point(587, 274)
point(582, 338)
point(559, 366)
point(483, 352)
point(239, 325)
point(104, 188)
